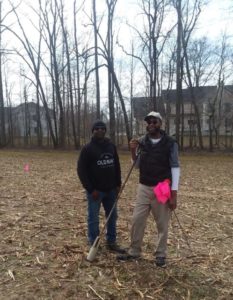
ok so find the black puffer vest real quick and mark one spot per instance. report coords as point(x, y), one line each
point(154, 160)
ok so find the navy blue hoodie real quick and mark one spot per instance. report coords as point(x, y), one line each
point(98, 166)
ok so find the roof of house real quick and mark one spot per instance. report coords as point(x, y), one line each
point(143, 105)
point(31, 106)
point(201, 93)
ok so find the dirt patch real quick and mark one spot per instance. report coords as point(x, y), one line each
point(43, 234)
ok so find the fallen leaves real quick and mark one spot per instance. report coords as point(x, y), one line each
point(43, 234)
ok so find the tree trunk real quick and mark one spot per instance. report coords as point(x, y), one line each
point(78, 79)
point(96, 61)
point(72, 112)
point(111, 100)
point(193, 98)
point(38, 120)
point(178, 71)
point(2, 106)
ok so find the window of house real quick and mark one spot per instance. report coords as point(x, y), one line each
point(210, 107)
point(34, 118)
point(191, 122)
point(228, 124)
point(227, 107)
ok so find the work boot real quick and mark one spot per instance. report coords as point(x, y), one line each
point(160, 262)
point(115, 248)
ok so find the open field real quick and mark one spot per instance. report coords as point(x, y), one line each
point(43, 234)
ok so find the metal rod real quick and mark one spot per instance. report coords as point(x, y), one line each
point(183, 232)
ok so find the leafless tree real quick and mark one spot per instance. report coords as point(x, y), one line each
point(33, 63)
point(132, 74)
point(111, 4)
point(190, 14)
point(203, 67)
point(49, 28)
point(216, 109)
point(69, 73)
point(78, 75)
point(2, 102)
point(105, 50)
point(2, 113)
point(153, 40)
point(179, 70)
point(96, 60)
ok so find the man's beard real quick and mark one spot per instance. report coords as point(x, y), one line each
point(153, 130)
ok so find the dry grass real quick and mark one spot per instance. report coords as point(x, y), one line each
point(43, 234)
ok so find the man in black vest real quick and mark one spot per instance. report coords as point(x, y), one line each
point(157, 161)
point(100, 174)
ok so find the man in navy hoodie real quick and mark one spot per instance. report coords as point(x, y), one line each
point(100, 174)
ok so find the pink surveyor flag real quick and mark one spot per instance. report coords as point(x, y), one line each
point(162, 191)
point(26, 168)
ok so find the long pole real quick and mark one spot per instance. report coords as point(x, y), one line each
point(184, 234)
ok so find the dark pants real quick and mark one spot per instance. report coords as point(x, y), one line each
point(108, 200)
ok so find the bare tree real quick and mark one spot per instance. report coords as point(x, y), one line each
point(68, 59)
point(8, 116)
point(34, 66)
point(96, 60)
point(216, 104)
point(132, 71)
point(190, 16)
point(109, 53)
point(78, 85)
point(2, 102)
point(179, 70)
point(49, 16)
point(106, 51)
point(153, 40)
point(202, 62)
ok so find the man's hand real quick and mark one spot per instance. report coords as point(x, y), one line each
point(172, 202)
point(133, 144)
point(95, 195)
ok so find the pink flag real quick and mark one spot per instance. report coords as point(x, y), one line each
point(162, 191)
point(26, 168)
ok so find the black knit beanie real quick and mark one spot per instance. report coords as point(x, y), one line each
point(98, 123)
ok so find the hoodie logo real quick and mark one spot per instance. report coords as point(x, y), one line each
point(106, 160)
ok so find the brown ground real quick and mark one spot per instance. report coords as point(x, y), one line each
point(43, 234)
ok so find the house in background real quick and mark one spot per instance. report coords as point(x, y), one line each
point(211, 101)
point(22, 120)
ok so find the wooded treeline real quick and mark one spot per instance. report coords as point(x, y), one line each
point(80, 60)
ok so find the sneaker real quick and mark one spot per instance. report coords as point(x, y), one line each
point(126, 257)
point(160, 262)
point(115, 248)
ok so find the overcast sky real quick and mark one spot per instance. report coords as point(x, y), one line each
point(215, 19)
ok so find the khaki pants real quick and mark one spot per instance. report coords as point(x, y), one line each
point(146, 202)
